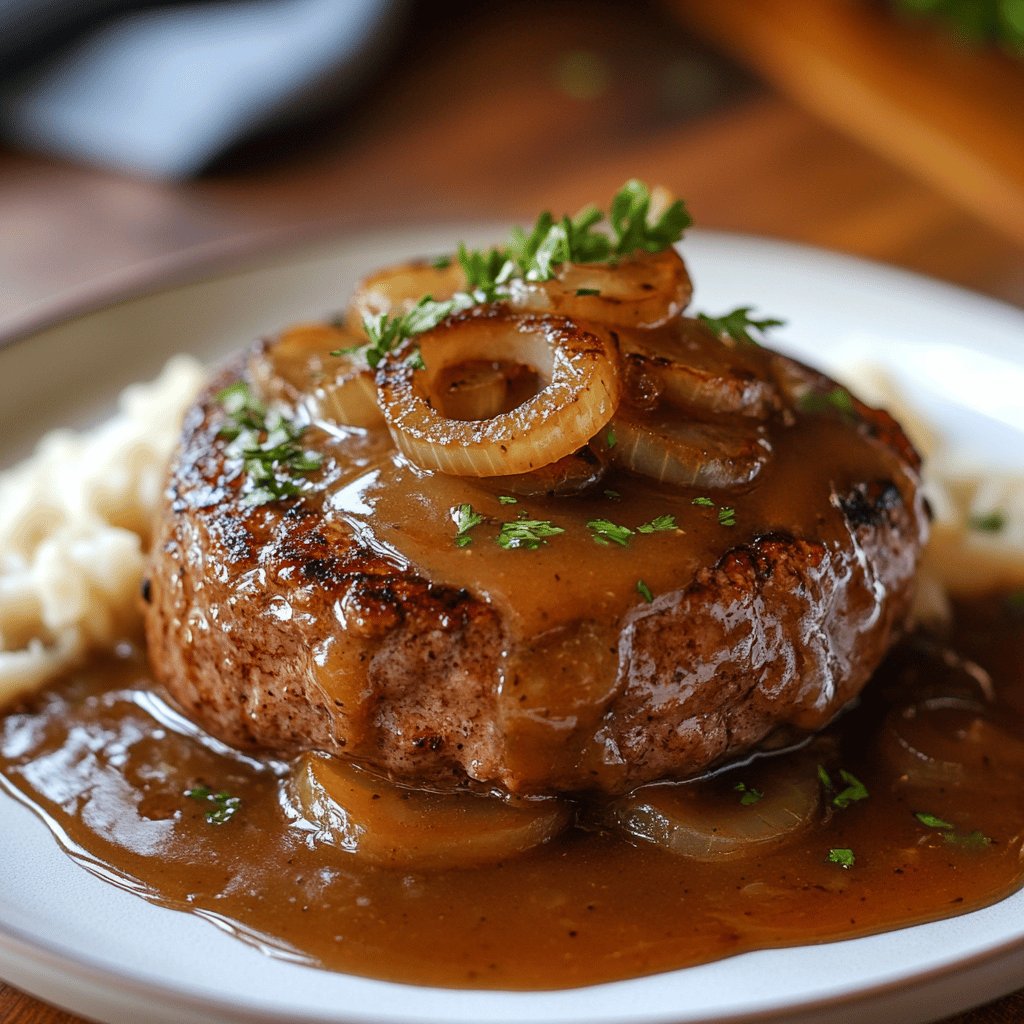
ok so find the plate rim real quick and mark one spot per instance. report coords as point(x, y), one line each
point(221, 258)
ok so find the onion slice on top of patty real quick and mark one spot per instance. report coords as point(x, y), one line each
point(577, 367)
point(643, 290)
point(296, 367)
point(396, 289)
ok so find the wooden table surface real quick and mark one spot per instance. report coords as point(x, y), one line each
point(494, 111)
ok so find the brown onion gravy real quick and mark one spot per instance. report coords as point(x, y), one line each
point(106, 763)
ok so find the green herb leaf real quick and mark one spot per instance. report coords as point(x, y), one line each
point(610, 439)
point(527, 533)
point(632, 226)
point(975, 840)
point(441, 263)
point(507, 499)
point(465, 518)
point(824, 778)
point(844, 857)
point(588, 291)
point(644, 591)
point(749, 795)
point(726, 516)
point(485, 270)
point(990, 522)
point(225, 805)
point(837, 400)
point(703, 502)
point(854, 791)
point(266, 444)
point(932, 821)
point(607, 532)
point(970, 840)
point(739, 324)
point(658, 524)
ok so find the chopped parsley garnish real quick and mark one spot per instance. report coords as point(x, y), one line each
point(606, 532)
point(630, 220)
point(465, 518)
point(837, 400)
point(738, 325)
point(853, 791)
point(610, 439)
point(486, 270)
point(266, 442)
point(224, 804)
point(387, 332)
point(533, 256)
point(527, 533)
point(989, 522)
point(658, 524)
point(932, 821)
point(844, 857)
point(971, 840)
point(507, 499)
point(748, 795)
point(644, 591)
point(726, 513)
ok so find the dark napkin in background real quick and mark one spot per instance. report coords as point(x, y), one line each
point(161, 89)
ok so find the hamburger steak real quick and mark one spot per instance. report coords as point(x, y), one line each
point(720, 568)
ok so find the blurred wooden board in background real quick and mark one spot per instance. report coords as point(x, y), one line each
point(949, 113)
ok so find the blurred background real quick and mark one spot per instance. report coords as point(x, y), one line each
point(141, 139)
point(138, 135)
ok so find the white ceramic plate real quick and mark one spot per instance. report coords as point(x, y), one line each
point(76, 940)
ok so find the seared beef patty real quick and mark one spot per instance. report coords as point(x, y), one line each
point(349, 620)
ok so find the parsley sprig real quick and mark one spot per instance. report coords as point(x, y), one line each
point(748, 794)
point(852, 792)
point(224, 804)
point(267, 444)
point(844, 857)
point(972, 840)
point(533, 255)
point(740, 325)
point(836, 399)
point(466, 518)
point(527, 533)
point(726, 513)
point(605, 532)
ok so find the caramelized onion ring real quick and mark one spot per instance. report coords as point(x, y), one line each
point(397, 289)
point(578, 366)
point(414, 828)
point(690, 367)
point(644, 290)
point(706, 821)
point(715, 456)
point(296, 367)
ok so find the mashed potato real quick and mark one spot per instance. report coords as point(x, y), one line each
point(75, 522)
point(74, 526)
point(977, 540)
